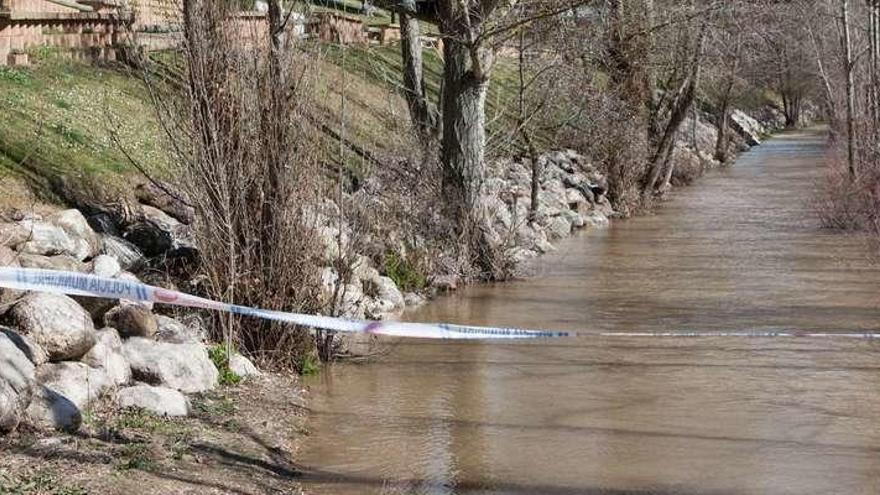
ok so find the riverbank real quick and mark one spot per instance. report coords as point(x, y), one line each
point(239, 439)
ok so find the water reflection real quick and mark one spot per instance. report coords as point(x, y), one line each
point(739, 251)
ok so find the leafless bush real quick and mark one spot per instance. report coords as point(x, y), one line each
point(250, 169)
point(847, 204)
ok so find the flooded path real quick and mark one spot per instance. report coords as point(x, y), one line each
point(739, 251)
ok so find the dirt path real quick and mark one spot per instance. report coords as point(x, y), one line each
point(239, 440)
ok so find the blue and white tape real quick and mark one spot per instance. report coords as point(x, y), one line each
point(78, 284)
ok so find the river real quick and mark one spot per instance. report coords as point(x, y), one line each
point(741, 250)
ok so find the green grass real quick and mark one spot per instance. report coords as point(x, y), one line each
point(403, 273)
point(220, 358)
point(309, 365)
point(58, 118)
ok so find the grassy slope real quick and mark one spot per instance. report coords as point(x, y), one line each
point(59, 116)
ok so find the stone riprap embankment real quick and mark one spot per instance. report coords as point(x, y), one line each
point(60, 355)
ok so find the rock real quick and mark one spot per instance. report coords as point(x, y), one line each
point(596, 219)
point(576, 198)
point(51, 410)
point(86, 242)
point(158, 400)
point(78, 382)
point(105, 266)
point(61, 262)
point(521, 255)
point(132, 319)
point(8, 258)
point(157, 233)
point(330, 240)
point(46, 240)
point(36, 354)
point(388, 298)
point(364, 271)
point(56, 323)
point(573, 218)
point(558, 227)
point(352, 302)
point(242, 366)
point(150, 194)
point(175, 332)
point(13, 234)
point(103, 222)
point(66, 389)
point(544, 246)
point(445, 283)
point(747, 127)
point(185, 367)
point(107, 355)
point(329, 277)
point(17, 384)
point(125, 253)
point(413, 299)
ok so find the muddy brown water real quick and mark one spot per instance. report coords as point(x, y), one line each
point(739, 251)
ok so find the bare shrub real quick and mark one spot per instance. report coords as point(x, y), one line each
point(847, 204)
point(250, 169)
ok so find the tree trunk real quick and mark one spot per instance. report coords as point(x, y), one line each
point(464, 131)
point(424, 118)
point(722, 118)
point(682, 101)
point(874, 76)
point(850, 93)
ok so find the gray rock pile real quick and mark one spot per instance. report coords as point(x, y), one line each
point(59, 355)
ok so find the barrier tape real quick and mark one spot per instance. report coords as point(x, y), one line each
point(78, 284)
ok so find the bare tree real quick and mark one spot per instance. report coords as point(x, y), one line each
point(249, 170)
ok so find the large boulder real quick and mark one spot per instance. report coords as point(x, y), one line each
point(175, 332)
point(46, 239)
point(387, 301)
point(185, 367)
point(107, 355)
point(56, 323)
point(156, 233)
point(13, 234)
point(8, 258)
point(132, 319)
point(172, 204)
point(747, 127)
point(77, 381)
point(62, 262)
point(158, 400)
point(125, 253)
point(67, 389)
point(86, 242)
point(17, 384)
point(51, 410)
point(36, 354)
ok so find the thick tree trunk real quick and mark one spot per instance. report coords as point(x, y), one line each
point(464, 131)
point(423, 116)
point(723, 116)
